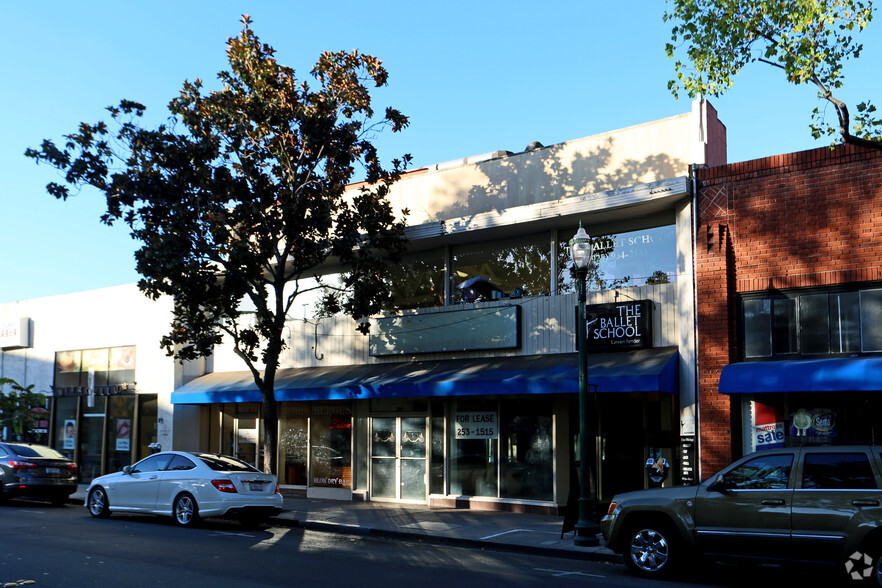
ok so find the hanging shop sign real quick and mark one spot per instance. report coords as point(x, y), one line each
point(626, 325)
point(476, 425)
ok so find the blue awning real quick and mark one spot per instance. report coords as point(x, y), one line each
point(645, 370)
point(812, 375)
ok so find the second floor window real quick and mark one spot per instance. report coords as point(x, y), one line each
point(812, 324)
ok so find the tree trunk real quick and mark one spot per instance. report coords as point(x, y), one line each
point(270, 429)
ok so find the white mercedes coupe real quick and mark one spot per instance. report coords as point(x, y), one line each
point(187, 487)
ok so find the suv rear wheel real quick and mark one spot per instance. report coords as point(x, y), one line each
point(651, 550)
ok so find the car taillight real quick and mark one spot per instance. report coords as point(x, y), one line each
point(73, 467)
point(277, 488)
point(612, 508)
point(18, 464)
point(224, 485)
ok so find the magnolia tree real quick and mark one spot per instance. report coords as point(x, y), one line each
point(809, 41)
point(240, 198)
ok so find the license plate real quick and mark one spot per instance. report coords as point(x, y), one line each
point(53, 471)
point(256, 486)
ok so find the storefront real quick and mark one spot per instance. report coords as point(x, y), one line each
point(98, 419)
point(810, 402)
point(496, 429)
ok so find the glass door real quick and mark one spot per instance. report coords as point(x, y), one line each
point(398, 458)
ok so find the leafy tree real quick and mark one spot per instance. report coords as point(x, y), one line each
point(17, 409)
point(658, 277)
point(808, 40)
point(240, 199)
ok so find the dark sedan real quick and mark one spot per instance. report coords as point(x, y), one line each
point(36, 471)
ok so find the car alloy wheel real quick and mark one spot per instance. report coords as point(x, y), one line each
point(186, 512)
point(649, 551)
point(98, 506)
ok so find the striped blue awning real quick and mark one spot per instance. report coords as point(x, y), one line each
point(646, 370)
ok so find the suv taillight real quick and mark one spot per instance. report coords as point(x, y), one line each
point(612, 508)
point(224, 486)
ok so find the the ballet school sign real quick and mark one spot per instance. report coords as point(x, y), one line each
point(617, 325)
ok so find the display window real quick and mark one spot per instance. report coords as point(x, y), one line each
point(809, 418)
point(330, 459)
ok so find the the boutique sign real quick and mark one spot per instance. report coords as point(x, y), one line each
point(620, 325)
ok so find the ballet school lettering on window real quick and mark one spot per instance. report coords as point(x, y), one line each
point(626, 325)
point(476, 425)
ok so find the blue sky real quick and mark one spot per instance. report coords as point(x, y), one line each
point(472, 76)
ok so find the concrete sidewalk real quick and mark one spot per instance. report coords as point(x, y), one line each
point(494, 530)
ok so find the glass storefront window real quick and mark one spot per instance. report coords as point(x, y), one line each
point(436, 459)
point(91, 440)
point(871, 319)
point(474, 453)
point(331, 446)
point(148, 413)
point(294, 444)
point(66, 425)
point(119, 433)
point(526, 465)
point(504, 268)
point(634, 258)
point(418, 282)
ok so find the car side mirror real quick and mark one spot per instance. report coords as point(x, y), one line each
point(127, 470)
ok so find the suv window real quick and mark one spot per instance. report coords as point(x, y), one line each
point(837, 471)
point(762, 473)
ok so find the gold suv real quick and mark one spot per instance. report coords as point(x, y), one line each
point(810, 504)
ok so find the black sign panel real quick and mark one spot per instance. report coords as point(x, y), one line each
point(620, 325)
point(687, 457)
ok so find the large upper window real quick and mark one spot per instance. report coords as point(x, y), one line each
point(812, 324)
point(418, 282)
point(499, 269)
point(634, 258)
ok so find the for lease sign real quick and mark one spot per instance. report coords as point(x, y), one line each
point(476, 425)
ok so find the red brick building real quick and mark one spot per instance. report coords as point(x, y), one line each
point(789, 297)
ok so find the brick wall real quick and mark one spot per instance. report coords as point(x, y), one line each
point(802, 219)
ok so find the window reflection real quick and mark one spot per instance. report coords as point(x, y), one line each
point(634, 258)
point(501, 269)
point(418, 282)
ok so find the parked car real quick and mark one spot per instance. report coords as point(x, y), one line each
point(800, 504)
point(37, 471)
point(187, 487)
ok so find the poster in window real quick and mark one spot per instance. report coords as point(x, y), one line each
point(70, 433)
point(123, 434)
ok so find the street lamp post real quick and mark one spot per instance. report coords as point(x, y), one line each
point(587, 527)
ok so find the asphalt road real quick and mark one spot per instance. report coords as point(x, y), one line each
point(66, 547)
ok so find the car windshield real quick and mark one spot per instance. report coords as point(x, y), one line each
point(223, 463)
point(35, 451)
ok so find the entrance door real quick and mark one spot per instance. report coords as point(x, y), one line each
point(398, 458)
